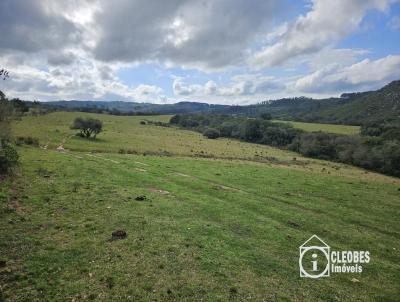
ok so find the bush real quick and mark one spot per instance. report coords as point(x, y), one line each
point(8, 158)
point(251, 131)
point(388, 130)
point(266, 116)
point(279, 136)
point(229, 129)
point(29, 140)
point(316, 144)
point(211, 133)
point(175, 119)
point(346, 146)
point(190, 123)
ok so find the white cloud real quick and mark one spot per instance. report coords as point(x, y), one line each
point(394, 23)
point(33, 26)
point(83, 79)
point(364, 75)
point(240, 85)
point(181, 88)
point(204, 34)
point(337, 57)
point(324, 25)
point(73, 49)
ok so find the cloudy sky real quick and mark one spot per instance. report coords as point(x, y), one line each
point(215, 51)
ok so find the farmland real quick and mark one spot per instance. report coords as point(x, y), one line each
point(221, 220)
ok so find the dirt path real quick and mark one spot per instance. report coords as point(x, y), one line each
point(47, 145)
point(63, 141)
point(61, 149)
point(215, 185)
point(102, 158)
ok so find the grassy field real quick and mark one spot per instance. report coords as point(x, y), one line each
point(128, 135)
point(223, 228)
point(338, 129)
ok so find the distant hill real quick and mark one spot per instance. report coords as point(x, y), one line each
point(350, 108)
point(126, 107)
point(375, 105)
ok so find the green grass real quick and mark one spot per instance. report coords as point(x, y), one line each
point(331, 128)
point(126, 133)
point(211, 229)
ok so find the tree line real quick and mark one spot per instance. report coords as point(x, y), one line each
point(98, 110)
point(376, 148)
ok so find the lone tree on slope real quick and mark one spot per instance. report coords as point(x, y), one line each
point(88, 126)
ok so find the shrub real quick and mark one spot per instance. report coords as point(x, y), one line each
point(251, 131)
point(279, 136)
point(211, 133)
point(266, 116)
point(29, 140)
point(317, 144)
point(228, 129)
point(8, 157)
point(389, 130)
point(190, 123)
point(175, 119)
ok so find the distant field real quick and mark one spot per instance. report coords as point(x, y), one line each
point(338, 129)
point(127, 134)
point(226, 228)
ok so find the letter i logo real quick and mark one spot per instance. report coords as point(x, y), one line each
point(314, 263)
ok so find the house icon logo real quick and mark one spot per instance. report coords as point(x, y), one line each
point(314, 260)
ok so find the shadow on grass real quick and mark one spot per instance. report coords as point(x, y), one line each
point(77, 137)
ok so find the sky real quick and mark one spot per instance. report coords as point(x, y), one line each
point(214, 51)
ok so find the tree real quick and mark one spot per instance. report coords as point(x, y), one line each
point(229, 128)
point(19, 106)
point(6, 113)
point(251, 130)
point(8, 153)
point(8, 157)
point(88, 126)
point(266, 116)
point(175, 119)
point(211, 133)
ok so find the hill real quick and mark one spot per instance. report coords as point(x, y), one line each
point(351, 108)
point(205, 219)
point(116, 107)
point(383, 104)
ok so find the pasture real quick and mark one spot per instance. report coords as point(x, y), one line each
point(330, 128)
point(224, 224)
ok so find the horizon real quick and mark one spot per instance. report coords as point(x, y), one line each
point(199, 102)
point(224, 52)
